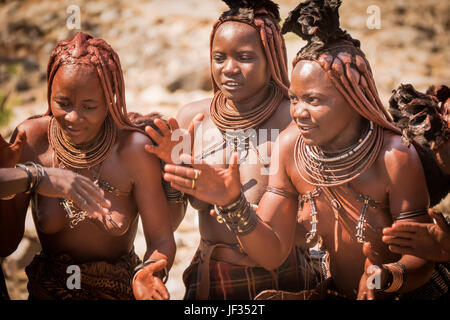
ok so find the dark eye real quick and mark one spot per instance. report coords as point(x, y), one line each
point(245, 57)
point(90, 107)
point(293, 99)
point(219, 58)
point(63, 105)
point(313, 100)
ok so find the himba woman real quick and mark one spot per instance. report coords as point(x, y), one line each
point(250, 81)
point(86, 130)
point(343, 172)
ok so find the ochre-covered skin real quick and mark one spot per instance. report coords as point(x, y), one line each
point(85, 85)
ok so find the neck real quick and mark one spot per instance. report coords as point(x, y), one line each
point(250, 103)
point(347, 137)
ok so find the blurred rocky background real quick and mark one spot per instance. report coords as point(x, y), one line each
point(163, 47)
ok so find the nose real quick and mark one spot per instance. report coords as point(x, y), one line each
point(73, 116)
point(230, 66)
point(300, 111)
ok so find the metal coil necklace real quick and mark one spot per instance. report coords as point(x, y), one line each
point(234, 125)
point(227, 118)
point(83, 156)
point(322, 170)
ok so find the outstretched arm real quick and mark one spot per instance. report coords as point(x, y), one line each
point(154, 211)
point(170, 140)
point(272, 238)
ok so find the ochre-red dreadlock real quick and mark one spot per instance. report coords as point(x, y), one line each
point(83, 49)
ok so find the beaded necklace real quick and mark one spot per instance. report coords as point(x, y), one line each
point(325, 171)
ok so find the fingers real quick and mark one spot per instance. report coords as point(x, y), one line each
point(97, 194)
point(20, 140)
point(189, 173)
point(161, 292)
point(411, 227)
point(157, 266)
point(88, 202)
point(151, 149)
point(83, 204)
point(198, 118)
point(234, 165)
point(153, 134)
point(183, 189)
point(400, 234)
point(173, 123)
point(404, 242)
point(162, 126)
point(440, 220)
point(362, 295)
point(370, 294)
point(402, 250)
point(180, 181)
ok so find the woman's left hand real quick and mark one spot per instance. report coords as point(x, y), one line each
point(424, 240)
point(147, 286)
point(10, 153)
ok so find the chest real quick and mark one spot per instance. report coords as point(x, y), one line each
point(349, 214)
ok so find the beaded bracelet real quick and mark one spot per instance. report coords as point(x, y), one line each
point(142, 265)
point(240, 216)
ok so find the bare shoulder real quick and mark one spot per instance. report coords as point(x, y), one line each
point(398, 159)
point(132, 142)
point(282, 117)
point(187, 112)
point(288, 138)
point(36, 134)
point(132, 155)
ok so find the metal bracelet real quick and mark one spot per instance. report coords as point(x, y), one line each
point(142, 265)
point(29, 175)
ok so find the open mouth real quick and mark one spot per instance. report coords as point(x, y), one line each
point(231, 85)
point(73, 131)
point(305, 128)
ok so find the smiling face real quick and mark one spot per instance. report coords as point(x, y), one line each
point(239, 66)
point(320, 111)
point(78, 103)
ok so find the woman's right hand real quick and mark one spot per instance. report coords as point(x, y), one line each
point(205, 182)
point(164, 145)
point(61, 183)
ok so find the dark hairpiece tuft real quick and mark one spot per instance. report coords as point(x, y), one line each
point(418, 115)
point(249, 8)
point(317, 21)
